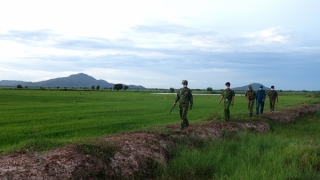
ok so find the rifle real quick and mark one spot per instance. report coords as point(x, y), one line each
point(172, 108)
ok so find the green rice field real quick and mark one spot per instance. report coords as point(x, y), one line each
point(44, 119)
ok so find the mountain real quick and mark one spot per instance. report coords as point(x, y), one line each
point(75, 80)
point(10, 83)
point(255, 86)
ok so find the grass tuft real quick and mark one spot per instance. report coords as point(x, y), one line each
point(288, 152)
point(99, 148)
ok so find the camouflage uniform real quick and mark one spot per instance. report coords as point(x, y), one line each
point(227, 94)
point(272, 94)
point(184, 96)
point(251, 96)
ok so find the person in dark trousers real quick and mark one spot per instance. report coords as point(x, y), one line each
point(185, 98)
point(261, 96)
point(228, 97)
point(273, 96)
point(250, 96)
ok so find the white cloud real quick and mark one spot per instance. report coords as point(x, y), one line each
point(270, 35)
point(210, 70)
point(31, 75)
point(156, 43)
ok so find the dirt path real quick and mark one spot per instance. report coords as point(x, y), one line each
point(133, 154)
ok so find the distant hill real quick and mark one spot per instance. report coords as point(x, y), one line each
point(10, 83)
point(255, 86)
point(75, 80)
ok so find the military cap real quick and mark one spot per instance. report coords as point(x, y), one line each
point(228, 83)
point(272, 87)
point(184, 82)
point(261, 86)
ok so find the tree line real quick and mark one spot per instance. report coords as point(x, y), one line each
point(115, 87)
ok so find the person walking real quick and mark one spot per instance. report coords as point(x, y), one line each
point(228, 97)
point(185, 98)
point(251, 96)
point(273, 96)
point(261, 96)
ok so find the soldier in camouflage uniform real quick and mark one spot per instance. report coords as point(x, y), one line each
point(228, 97)
point(273, 96)
point(185, 98)
point(251, 96)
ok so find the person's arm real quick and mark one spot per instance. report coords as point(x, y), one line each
point(191, 100)
point(177, 99)
point(175, 102)
point(221, 99)
point(232, 102)
point(247, 96)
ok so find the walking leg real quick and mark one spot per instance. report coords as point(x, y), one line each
point(226, 111)
point(257, 107)
point(262, 107)
point(184, 120)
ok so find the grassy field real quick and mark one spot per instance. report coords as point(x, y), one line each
point(289, 151)
point(44, 119)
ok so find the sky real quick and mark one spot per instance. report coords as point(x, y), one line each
point(159, 43)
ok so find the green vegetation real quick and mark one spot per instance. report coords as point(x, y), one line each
point(287, 152)
point(44, 119)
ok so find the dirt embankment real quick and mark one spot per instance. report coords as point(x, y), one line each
point(125, 155)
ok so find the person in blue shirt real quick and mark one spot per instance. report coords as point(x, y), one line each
point(261, 96)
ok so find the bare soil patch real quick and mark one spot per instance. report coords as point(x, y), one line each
point(290, 115)
point(132, 154)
